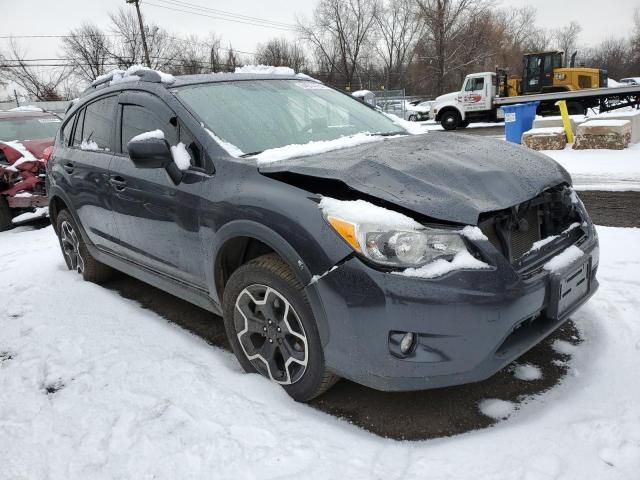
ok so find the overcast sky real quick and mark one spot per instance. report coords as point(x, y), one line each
point(599, 19)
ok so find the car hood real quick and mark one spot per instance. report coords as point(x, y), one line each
point(447, 96)
point(449, 177)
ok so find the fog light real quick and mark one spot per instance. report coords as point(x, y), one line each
point(407, 342)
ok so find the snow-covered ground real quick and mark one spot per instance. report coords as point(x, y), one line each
point(94, 386)
point(601, 169)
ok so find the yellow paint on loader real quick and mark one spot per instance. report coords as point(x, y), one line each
point(566, 121)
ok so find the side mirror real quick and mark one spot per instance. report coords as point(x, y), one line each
point(150, 153)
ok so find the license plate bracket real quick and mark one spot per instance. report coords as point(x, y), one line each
point(568, 288)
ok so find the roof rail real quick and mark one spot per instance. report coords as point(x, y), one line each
point(141, 74)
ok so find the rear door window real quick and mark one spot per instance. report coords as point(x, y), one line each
point(97, 129)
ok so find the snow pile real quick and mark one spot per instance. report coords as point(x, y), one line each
point(314, 148)
point(228, 147)
point(359, 211)
point(180, 156)
point(473, 233)
point(496, 408)
point(26, 108)
point(564, 259)
point(413, 128)
point(93, 385)
point(89, 145)
point(265, 70)
point(39, 212)
point(527, 372)
point(461, 261)
point(611, 83)
point(159, 134)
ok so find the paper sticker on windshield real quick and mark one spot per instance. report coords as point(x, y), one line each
point(49, 120)
point(312, 86)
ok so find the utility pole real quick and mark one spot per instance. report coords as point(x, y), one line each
point(144, 38)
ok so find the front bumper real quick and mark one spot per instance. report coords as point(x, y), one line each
point(470, 324)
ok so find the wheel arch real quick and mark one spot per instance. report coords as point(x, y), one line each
point(449, 108)
point(56, 205)
point(240, 241)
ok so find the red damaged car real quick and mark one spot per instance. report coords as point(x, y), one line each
point(26, 142)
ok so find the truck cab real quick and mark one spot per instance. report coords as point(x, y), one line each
point(474, 102)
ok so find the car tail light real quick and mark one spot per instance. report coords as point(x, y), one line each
point(46, 155)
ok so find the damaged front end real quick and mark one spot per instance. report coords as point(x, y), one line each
point(530, 233)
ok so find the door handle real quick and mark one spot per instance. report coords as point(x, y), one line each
point(118, 183)
point(68, 167)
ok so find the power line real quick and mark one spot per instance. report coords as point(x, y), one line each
point(181, 3)
point(200, 14)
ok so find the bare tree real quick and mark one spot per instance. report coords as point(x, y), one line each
point(339, 33)
point(87, 49)
point(566, 38)
point(232, 60)
point(280, 52)
point(444, 43)
point(128, 50)
point(39, 85)
point(635, 41)
point(399, 27)
point(612, 55)
point(193, 56)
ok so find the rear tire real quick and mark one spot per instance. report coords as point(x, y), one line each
point(5, 214)
point(271, 328)
point(450, 120)
point(75, 252)
point(463, 123)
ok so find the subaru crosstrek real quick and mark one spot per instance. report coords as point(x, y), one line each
point(332, 242)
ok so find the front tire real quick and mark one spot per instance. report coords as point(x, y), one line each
point(271, 328)
point(5, 215)
point(413, 118)
point(75, 252)
point(450, 120)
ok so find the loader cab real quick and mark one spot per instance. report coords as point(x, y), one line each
point(538, 71)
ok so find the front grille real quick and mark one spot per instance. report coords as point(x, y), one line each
point(515, 230)
point(522, 239)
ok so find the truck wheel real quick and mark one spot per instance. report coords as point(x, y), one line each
point(450, 120)
point(5, 214)
point(463, 123)
point(75, 252)
point(271, 328)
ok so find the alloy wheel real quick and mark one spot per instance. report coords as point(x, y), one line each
point(71, 246)
point(271, 334)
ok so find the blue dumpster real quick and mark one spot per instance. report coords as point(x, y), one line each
point(518, 119)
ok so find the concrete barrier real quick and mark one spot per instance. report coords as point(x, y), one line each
point(632, 116)
point(548, 138)
point(603, 134)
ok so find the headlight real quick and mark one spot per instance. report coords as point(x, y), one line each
point(398, 247)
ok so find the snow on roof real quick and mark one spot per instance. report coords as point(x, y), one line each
point(314, 148)
point(129, 75)
point(265, 70)
point(362, 93)
point(26, 108)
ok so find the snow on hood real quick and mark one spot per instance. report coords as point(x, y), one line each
point(452, 178)
point(19, 152)
point(313, 148)
point(26, 108)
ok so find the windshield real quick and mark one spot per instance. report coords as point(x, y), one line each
point(256, 115)
point(29, 128)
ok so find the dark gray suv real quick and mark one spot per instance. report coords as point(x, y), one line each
point(333, 243)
